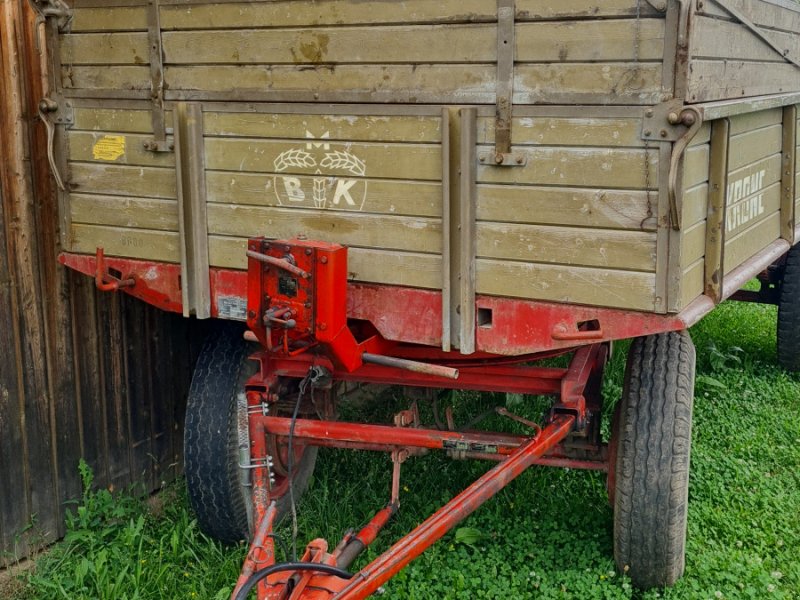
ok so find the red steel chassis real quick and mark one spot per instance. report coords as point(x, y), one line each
point(316, 328)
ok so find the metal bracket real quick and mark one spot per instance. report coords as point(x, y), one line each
point(159, 142)
point(502, 156)
point(53, 9)
point(506, 159)
point(660, 123)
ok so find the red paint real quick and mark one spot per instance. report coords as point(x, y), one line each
point(409, 315)
point(383, 568)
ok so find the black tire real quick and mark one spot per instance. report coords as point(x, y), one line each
point(651, 477)
point(789, 313)
point(218, 487)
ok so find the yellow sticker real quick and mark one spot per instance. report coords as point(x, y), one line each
point(109, 147)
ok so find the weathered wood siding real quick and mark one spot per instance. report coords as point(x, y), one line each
point(727, 59)
point(82, 374)
point(336, 50)
point(577, 223)
point(753, 199)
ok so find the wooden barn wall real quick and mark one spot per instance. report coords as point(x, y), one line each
point(82, 374)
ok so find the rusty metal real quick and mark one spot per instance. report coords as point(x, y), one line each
point(506, 48)
point(410, 365)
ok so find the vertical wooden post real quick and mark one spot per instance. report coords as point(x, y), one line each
point(788, 174)
point(715, 224)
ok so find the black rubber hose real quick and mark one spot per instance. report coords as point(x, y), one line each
point(290, 566)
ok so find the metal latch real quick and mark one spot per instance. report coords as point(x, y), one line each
point(55, 9)
point(54, 113)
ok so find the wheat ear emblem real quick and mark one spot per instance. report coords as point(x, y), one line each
point(344, 160)
point(294, 158)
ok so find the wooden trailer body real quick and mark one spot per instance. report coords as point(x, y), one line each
point(629, 155)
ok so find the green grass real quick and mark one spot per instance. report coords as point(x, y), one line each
point(548, 535)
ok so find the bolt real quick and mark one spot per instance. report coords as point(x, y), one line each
point(673, 118)
point(520, 160)
point(308, 251)
point(663, 133)
point(648, 112)
point(648, 133)
point(322, 326)
point(482, 158)
point(251, 314)
point(324, 260)
point(498, 159)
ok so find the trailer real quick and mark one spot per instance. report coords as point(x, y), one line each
point(438, 195)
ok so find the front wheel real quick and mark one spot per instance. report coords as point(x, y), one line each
point(651, 470)
point(216, 444)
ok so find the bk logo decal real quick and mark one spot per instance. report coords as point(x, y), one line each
point(320, 175)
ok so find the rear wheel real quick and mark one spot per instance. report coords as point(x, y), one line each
point(216, 441)
point(652, 448)
point(789, 313)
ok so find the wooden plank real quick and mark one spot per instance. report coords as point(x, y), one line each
point(351, 128)
point(349, 228)
point(711, 80)
point(118, 180)
point(536, 9)
point(143, 244)
point(105, 49)
point(89, 386)
point(122, 211)
point(743, 214)
point(390, 161)
point(463, 229)
point(695, 166)
point(121, 77)
point(694, 205)
point(755, 120)
point(127, 149)
point(364, 264)
point(692, 283)
point(556, 131)
point(764, 14)
point(139, 405)
point(555, 283)
point(119, 18)
point(770, 165)
point(788, 191)
point(630, 250)
point(410, 11)
point(16, 507)
point(114, 387)
point(718, 39)
point(578, 167)
point(597, 40)
point(579, 207)
point(472, 43)
point(383, 196)
point(192, 216)
point(714, 231)
point(693, 243)
point(112, 120)
point(40, 482)
point(738, 249)
point(615, 83)
point(336, 12)
point(750, 147)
